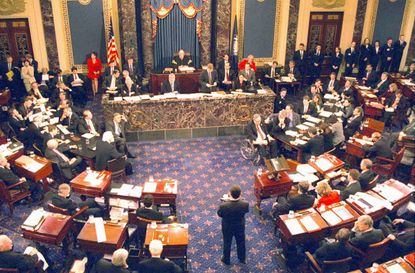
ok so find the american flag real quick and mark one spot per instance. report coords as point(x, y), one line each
point(112, 52)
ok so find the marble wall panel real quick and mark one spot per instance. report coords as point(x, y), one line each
point(292, 30)
point(205, 40)
point(360, 20)
point(223, 24)
point(127, 22)
point(146, 34)
point(50, 36)
point(411, 51)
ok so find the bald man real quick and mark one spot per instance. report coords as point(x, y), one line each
point(155, 263)
point(381, 147)
point(12, 259)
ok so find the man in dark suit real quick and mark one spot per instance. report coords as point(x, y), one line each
point(363, 234)
point(353, 123)
point(308, 109)
point(9, 178)
point(410, 74)
point(226, 77)
point(382, 86)
point(398, 48)
point(26, 109)
point(16, 260)
point(10, 75)
point(64, 163)
point(258, 134)
point(248, 73)
point(109, 70)
point(401, 233)
point(280, 101)
point(105, 150)
point(240, 84)
point(271, 74)
point(147, 212)
point(76, 81)
point(367, 175)
point(181, 60)
point(292, 71)
point(170, 85)
point(396, 107)
point(208, 79)
point(113, 82)
point(300, 58)
point(375, 57)
point(69, 119)
point(130, 87)
point(33, 134)
point(59, 77)
point(381, 147)
point(317, 59)
point(133, 71)
point(371, 77)
point(314, 146)
point(332, 85)
point(351, 59)
point(118, 263)
point(353, 185)
point(155, 263)
point(346, 110)
point(233, 213)
point(386, 56)
point(88, 124)
point(17, 122)
point(294, 118)
point(295, 202)
point(62, 200)
point(336, 61)
point(364, 56)
point(117, 126)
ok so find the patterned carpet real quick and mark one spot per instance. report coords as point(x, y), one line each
point(205, 169)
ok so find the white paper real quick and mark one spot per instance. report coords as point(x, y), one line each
point(125, 189)
point(296, 177)
point(305, 169)
point(54, 120)
point(363, 141)
point(79, 266)
point(331, 218)
point(343, 213)
point(100, 230)
point(313, 119)
point(291, 133)
point(34, 218)
point(329, 97)
point(309, 124)
point(286, 79)
point(150, 187)
point(390, 109)
point(302, 127)
point(300, 142)
point(63, 129)
point(136, 191)
point(309, 223)
point(362, 87)
point(326, 114)
point(34, 166)
point(396, 268)
point(294, 226)
point(39, 255)
point(390, 193)
point(117, 98)
point(323, 164)
point(88, 135)
point(92, 178)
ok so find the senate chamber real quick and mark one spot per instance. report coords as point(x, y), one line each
point(207, 136)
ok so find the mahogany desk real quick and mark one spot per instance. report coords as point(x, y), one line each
point(345, 223)
point(116, 236)
point(13, 156)
point(410, 258)
point(336, 163)
point(305, 236)
point(53, 230)
point(396, 185)
point(21, 164)
point(371, 125)
point(79, 185)
point(399, 262)
point(264, 187)
point(175, 239)
point(354, 149)
point(189, 82)
point(165, 192)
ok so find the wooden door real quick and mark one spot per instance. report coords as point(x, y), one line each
point(15, 38)
point(325, 29)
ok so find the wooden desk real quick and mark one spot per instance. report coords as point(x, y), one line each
point(81, 186)
point(336, 163)
point(410, 258)
point(189, 82)
point(165, 192)
point(175, 239)
point(305, 236)
point(264, 187)
point(355, 149)
point(388, 267)
point(22, 167)
point(116, 236)
point(371, 125)
point(376, 212)
point(338, 210)
point(394, 191)
point(14, 150)
point(53, 230)
point(295, 85)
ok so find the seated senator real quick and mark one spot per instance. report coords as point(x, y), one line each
point(118, 263)
point(352, 186)
point(363, 234)
point(326, 196)
point(10, 178)
point(105, 151)
point(402, 235)
point(148, 212)
point(295, 202)
point(156, 263)
point(314, 146)
point(16, 260)
point(181, 60)
point(367, 175)
point(381, 147)
point(170, 85)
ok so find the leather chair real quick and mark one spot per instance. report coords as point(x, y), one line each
point(37, 150)
point(117, 168)
point(372, 254)
point(142, 228)
point(373, 182)
point(389, 168)
point(12, 194)
point(338, 266)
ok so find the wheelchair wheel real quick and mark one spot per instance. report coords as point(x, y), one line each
point(248, 150)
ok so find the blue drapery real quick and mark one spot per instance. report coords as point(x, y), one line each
point(175, 32)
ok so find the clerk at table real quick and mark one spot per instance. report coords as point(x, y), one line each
point(170, 85)
point(88, 124)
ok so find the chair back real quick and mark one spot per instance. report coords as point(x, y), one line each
point(373, 182)
point(142, 227)
point(398, 158)
point(57, 173)
point(117, 166)
point(4, 193)
point(373, 253)
point(55, 209)
point(338, 266)
point(11, 131)
point(37, 149)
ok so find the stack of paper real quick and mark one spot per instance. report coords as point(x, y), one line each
point(325, 114)
point(100, 230)
point(34, 166)
point(63, 129)
point(93, 179)
point(286, 79)
point(314, 120)
point(302, 127)
point(305, 169)
point(150, 187)
point(309, 224)
point(34, 220)
point(323, 164)
point(343, 213)
point(390, 193)
point(294, 226)
point(395, 268)
point(292, 133)
point(331, 218)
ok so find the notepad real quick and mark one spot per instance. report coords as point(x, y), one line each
point(100, 230)
point(331, 218)
point(294, 226)
point(309, 224)
point(150, 187)
point(343, 213)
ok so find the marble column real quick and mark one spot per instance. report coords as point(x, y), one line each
point(292, 29)
point(360, 21)
point(50, 36)
point(410, 58)
point(205, 36)
point(223, 24)
point(128, 36)
point(146, 34)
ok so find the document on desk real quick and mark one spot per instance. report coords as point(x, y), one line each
point(314, 120)
point(63, 129)
point(324, 164)
point(34, 166)
point(302, 127)
point(292, 133)
point(331, 218)
point(309, 224)
point(34, 220)
point(54, 120)
point(125, 189)
point(300, 142)
point(395, 268)
point(150, 187)
point(326, 114)
point(309, 124)
point(363, 141)
point(93, 179)
point(390, 193)
point(294, 226)
point(136, 191)
point(100, 230)
point(362, 87)
point(305, 169)
point(343, 213)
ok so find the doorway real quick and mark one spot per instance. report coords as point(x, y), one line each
point(15, 38)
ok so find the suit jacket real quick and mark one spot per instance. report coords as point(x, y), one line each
point(312, 111)
point(375, 57)
point(410, 75)
point(300, 63)
point(166, 87)
point(350, 190)
point(314, 146)
point(233, 213)
point(64, 203)
point(176, 62)
point(353, 123)
point(221, 75)
point(110, 126)
point(24, 111)
point(149, 214)
point(104, 266)
point(104, 152)
point(249, 77)
point(70, 79)
point(317, 59)
point(17, 124)
point(204, 79)
point(279, 104)
point(351, 57)
point(336, 86)
point(158, 265)
point(83, 128)
point(107, 71)
point(296, 72)
point(134, 73)
point(8, 177)
point(380, 148)
point(405, 239)
point(296, 119)
point(32, 135)
point(387, 52)
point(118, 83)
point(383, 88)
point(363, 240)
point(71, 122)
point(365, 53)
point(252, 132)
point(23, 262)
point(371, 79)
point(402, 104)
point(297, 202)
point(347, 112)
point(65, 167)
point(365, 178)
point(336, 60)
point(237, 85)
point(398, 49)
point(332, 251)
point(4, 68)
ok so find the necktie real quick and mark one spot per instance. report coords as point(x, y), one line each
point(226, 75)
point(301, 53)
point(64, 157)
point(367, 75)
point(117, 129)
point(260, 133)
point(90, 126)
point(210, 77)
point(10, 66)
point(331, 83)
point(272, 72)
point(112, 86)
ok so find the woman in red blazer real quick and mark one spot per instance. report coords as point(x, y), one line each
point(327, 195)
point(94, 70)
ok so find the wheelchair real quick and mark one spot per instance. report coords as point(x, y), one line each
point(250, 152)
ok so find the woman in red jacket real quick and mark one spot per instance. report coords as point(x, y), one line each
point(94, 70)
point(327, 195)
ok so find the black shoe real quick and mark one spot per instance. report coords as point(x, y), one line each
point(225, 262)
point(242, 261)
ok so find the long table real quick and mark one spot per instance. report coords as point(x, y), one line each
point(189, 82)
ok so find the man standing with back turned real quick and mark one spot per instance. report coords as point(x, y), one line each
point(232, 213)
